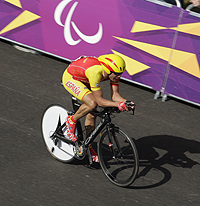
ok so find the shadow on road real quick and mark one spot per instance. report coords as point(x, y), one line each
point(155, 153)
point(159, 150)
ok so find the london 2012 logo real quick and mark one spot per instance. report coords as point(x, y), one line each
point(93, 39)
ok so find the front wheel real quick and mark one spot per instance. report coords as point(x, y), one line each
point(54, 116)
point(118, 157)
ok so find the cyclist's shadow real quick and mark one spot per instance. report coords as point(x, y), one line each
point(156, 151)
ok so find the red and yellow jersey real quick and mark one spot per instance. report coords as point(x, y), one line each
point(89, 71)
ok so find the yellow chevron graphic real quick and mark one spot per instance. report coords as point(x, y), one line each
point(191, 28)
point(15, 2)
point(141, 27)
point(132, 66)
point(24, 18)
point(183, 60)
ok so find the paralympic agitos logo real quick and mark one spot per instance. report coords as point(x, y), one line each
point(68, 23)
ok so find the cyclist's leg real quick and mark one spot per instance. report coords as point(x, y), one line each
point(88, 105)
point(90, 121)
point(77, 89)
point(81, 92)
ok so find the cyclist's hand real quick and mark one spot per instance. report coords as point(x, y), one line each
point(127, 105)
point(122, 106)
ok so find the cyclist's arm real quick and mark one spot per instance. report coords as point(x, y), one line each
point(98, 95)
point(115, 95)
point(94, 75)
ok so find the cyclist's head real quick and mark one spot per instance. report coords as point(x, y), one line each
point(112, 63)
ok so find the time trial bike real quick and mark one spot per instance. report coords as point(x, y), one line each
point(117, 152)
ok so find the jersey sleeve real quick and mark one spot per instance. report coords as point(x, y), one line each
point(94, 75)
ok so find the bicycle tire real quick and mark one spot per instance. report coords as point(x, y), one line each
point(54, 116)
point(120, 169)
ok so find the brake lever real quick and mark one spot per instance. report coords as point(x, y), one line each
point(128, 103)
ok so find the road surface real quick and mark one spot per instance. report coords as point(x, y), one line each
point(167, 137)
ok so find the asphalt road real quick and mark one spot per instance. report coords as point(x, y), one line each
point(167, 137)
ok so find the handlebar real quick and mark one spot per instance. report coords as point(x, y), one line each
point(129, 104)
point(113, 110)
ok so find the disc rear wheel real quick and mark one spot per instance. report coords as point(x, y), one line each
point(54, 116)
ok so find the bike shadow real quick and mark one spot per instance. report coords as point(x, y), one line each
point(157, 151)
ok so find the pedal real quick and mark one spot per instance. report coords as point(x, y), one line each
point(79, 150)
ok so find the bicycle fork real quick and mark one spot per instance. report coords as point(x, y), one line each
point(111, 133)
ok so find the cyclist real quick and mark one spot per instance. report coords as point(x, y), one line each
point(82, 79)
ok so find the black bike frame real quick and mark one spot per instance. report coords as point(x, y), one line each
point(106, 120)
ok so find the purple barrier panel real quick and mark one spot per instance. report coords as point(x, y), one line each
point(74, 28)
point(184, 76)
point(20, 21)
point(135, 29)
point(146, 40)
